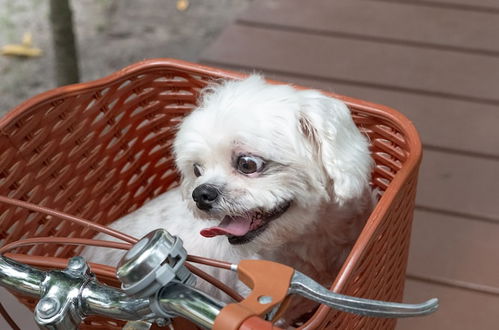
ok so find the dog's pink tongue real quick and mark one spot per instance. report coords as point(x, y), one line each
point(236, 226)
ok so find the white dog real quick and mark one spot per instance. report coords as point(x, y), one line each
point(268, 172)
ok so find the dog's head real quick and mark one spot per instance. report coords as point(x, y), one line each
point(263, 159)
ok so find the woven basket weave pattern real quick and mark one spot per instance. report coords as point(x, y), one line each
point(381, 271)
point(98, 154)
point(100, 150)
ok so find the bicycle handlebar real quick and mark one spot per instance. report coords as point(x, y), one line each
point(95, 298)
point(98, 299)
point(19, 277)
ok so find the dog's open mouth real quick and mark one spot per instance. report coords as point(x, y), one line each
point(243, 228)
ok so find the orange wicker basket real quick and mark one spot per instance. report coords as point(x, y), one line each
point(99, 150)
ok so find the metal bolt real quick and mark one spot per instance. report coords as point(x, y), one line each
point(47, 307)
point(161, 322)
point(265, 300)
point(77, 265)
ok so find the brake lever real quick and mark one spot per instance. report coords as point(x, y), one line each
point(270, 292)
point(305, 286)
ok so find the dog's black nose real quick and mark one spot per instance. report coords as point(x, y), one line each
point(205, 195)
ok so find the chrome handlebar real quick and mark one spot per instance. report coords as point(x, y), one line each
point(69, 295)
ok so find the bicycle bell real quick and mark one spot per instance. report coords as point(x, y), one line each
point(156, 260)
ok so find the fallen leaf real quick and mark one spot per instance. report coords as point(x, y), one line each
point(25, 49)
point(182, 5)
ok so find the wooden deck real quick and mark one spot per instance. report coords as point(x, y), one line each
point(436, 61)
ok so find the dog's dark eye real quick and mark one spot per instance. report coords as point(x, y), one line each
point(197, 170)
point(249, 164)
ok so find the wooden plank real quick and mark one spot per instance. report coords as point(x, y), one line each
point(440, 121)
point(446, 123)
point(459, 309)
point(464, 4)
point(452, 249)
point(460, 184)
point(397, 67)
point(385, 21)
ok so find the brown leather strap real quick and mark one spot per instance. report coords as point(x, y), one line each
point(266, 279)
point(232, 316)
point(256, 323)
point(269, 282)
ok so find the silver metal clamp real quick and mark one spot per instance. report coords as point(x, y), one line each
point(59, 306)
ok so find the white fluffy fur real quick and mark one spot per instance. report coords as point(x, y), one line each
point(323, 167)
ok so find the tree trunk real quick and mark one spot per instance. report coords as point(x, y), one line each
point(66, 55)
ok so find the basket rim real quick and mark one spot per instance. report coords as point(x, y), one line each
point(398, 120)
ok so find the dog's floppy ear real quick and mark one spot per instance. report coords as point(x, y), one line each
point(337, 144)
